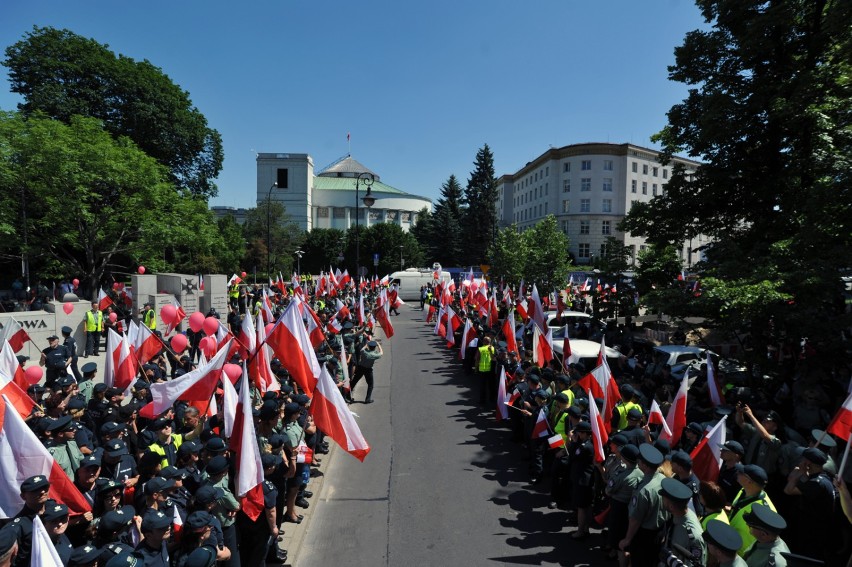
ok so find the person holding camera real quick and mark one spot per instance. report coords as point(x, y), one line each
point(371, 352)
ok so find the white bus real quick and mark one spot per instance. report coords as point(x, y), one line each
point(411, 280)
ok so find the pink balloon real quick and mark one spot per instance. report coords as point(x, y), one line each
point(168, 314)
point(208, 346)
point(68, 308)
point(76, 282)
point(116, 285)
point(141, 270)
point(234, 372)
point(33, 374)
point(196, 321)
point(243, 274)
point(269, 328)
point(113, 317)
point(179, 343)
point(211, 325)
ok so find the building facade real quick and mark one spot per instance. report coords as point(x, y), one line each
point(328, 199)
point(590, 188)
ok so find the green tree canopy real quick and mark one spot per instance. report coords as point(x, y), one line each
point(538, 255)
point(322, 247)
point(269, 225)
point(446, 226)
point(62, 74)
point(479, 228)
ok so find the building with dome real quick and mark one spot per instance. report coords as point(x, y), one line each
point(327, 199)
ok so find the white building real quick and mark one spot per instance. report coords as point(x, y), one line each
point(589, 188)
point(327, 199)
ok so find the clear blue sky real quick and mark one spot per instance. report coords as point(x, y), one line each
point(420, 86)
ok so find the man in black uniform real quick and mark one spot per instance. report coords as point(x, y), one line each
point(55, 360)
point(55, 520)
point(34, 492)
point(256, 535)
point(98, 405)
point(682, 468)
point(582, 470)
point(156, 527)
point(71, 349)
point(732, 455)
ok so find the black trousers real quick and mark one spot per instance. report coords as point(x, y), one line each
point(254, 539)
point(367, 375)
point(645, 547)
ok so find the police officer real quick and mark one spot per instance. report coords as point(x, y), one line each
point(723, 542)
point(64, 448)
point(71, 347)
point(683, 536)
point(86, 382)
point(55, 361)
point(34, 492)
point(257, 535)
point(581, 474)
point(55, 520)
point(369, 355)
point(765, 525)
point(98, 404)
point(645, 512)
point(93, 324)
point(682, 469)
point(814, 527)
point(149, 316)
point(156, 527)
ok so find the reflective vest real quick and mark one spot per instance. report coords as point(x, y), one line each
point(741, 506)
point(94, 321)
point(150, 319)
point(485, 358)
point(235, 292)
point(622, 410)
point(177, 441)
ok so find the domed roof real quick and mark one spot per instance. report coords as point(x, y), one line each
point(346, 167)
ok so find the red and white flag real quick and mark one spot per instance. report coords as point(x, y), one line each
point(291, 344)
point(468, 335)
point(382, 314)
point(334, 326)
point(655, 416)
point(146, 344)
point(568, 356)
point(540, 429)
point(180, 315)
point(198, 385)
point(536, 310)
point(602, 385)
point(177, 521)
point(249, 482)
point(713, 385)
point(235, 280)
point(260, 368)
point(513, 398)
point(676, 418)
point(13, 381)
point(543, 346)
point(599, 432)
point(22, 455)
point(201, 282)
point(502, 396)
point(103, 300)
point(314, 326)
point(14, 334)
point(266, 306)
point(230, 399)
point(841, 423)
point(556, 441)
point(248, 337)
point(362, 317)
point(521, 306)
point(344, 368)
point(332, 416)
point(707, 455)
point(44, 553)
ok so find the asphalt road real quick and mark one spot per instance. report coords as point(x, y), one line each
point(442, 485)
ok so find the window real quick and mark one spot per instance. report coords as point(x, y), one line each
point(606, 206)
point(606, 227)
point(583, 250)
point(654, 189)
point(665, 173)
point(634, 167)
point(656, 170)
point(584, 227)
point(545, 207)
point(644, 188)
point(607, 165)
point(566, 167)
point(566, 186)
point(633, 203)
point(585, 205)
point(566, 206)
point(645, 168)
point(633, 186)
point(322, 212)
point(339, 213)
point(539, 209)
point(282, 178)
point(607, 184)
point(565, 227)
point(547, 171)
point(586, 165)
point(586, 184)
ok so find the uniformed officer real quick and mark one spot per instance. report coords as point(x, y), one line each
point(815, 529)
point(645, 512)
point(64, 449)
point(8, 544)
point(581, 464)
point(55, 518)
point(85, 555)
point(723, 542)
point(156, 527)
point(620, 488)
point(34, 492)
point(93, 324)
point(149, 316)
point(86, 382)
point(765, 525)
point(683, 537)
point(682, 469)
point(371, 352)
point(55, 361)
point(634, 432)
point(71, 348)
point(732, 453)
point(753, 479)
point(257, 535)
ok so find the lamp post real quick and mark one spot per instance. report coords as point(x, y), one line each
point(299, 254)
point(368, 179)
point(401, 261)
point(269, 227)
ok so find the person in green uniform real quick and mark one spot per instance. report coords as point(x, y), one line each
point(645, 511)
point(753, 479)
point(620, 488)
point(64, 449)
point(723, 542)
point(87, 384)
point(683, 538)
point(765, 525)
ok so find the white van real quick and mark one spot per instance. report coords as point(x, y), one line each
point(411, 280)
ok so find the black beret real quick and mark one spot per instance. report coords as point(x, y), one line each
point(208, 493)
point(269, 410)
point(674, 489)
point(575, 411)
point(54, 510)
point(35, 483)
point(722, 535)
point(650, 454)
point(292, 408)
point(156, 520)
point(22, 359)
point(765, 518)
point(88, 368)
point(561, 397)
point(217, 465)
point(302, 399)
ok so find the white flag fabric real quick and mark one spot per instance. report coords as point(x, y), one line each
point(44, 553)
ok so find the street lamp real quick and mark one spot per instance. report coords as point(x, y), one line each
point(401, 261)
point(299, 254)
point(269, 227)
point(368, 179)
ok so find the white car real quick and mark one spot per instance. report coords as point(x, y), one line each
point(586, 351)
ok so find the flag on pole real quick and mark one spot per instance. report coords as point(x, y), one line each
point(249, 482)
point(260, 368)
point(103, 300)
point(655, 416)
point(502, 397)
point(332, 416)
point(599, 434)
point(291, 344)
point(230, 398)
point(540, 429)
point(468, 334)
point(841, 423)
point(543, 346)
point(44, 553)
point(536, 310)
point(713, 385)
point(676, 418)
point(13, 333)
point(556, 441)
point(707, 455)
point(13, 381)
point(509, 333)
point(180, 315)
point(602, 385)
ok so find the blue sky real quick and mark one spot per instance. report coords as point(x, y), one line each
point(420, 86)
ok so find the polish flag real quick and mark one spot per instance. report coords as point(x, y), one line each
point(291, 344)
point(260, 370)
point(451, 338)
point(707, 455)
point(385, 280)
point(543, 346)
point(599, 432)
point(22, 455)
point(713, 385)
point(124, 363)
point(146, 344)
point(602, 385)
point(568, 356)
point(361, 315)
point(249, 481)
point(314, 327)
point(201, 282)
point(248, 337)
point(430, 312)
point(521, 290)
point(513, 398)
point(507, 297)
point(235, 280)
point(198, 385)
point(304, 454)
point(344, 368)
point(266, 307)
point(332, 416)
point(556, 441)
point(540, 429)
point(334, 326)
point(342, 311)
point(13, 333)
point(560, 305)
point(509, 333)
point(345, 278)
point(297, 287)
point(180, 315)
point(841, 423)
point(103, 300)
point(521, 306)
point(467, 336)
point(177, 521)
point(44, 553)
point(13, 381)
point(655, 416)
point(676, 418)
point(536, 310)
point(502, 397)
point(230, 398)
point(586, 286)
point(381, 313)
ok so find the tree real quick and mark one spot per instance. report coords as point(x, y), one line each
point(547, 261)
point(446, 227)
point(385, 240)
point(508, 256)
point(62, 74)
point(422, 232)
point(322, 247)
point(768, 113)
point(270, 219)
point(480, 218)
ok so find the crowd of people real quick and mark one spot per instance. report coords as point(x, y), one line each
point(161, 490)
point(777, 497)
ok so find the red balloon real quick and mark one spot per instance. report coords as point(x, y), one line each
point(116, 285)
point(268, 328)
point(68, 308)
point(179, 343)
point(196, 321)
point(76, 282)
point(208, 347)
point(168, 314)
point(113, 317)
point(33, 374)
point(141, 270)
point(243, 274)
point(211, 325)
point(233, 371)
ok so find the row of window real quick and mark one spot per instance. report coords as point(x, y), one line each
point(655, 171)
point(654, 188)
point(586, 227)
point(586, 185)
point(534, 193)
point(533, 178)
point(586, 205)
point(340, 213)
point(586, 165)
